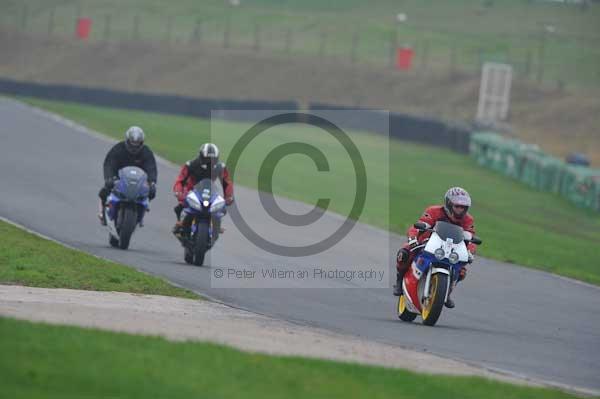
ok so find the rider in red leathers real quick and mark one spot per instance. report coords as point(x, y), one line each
point(206, 165)
point(455, 210)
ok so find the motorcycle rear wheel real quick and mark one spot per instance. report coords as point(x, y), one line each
point(403, 313)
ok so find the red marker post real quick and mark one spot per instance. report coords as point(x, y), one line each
point(84, 27)
point(404, 56)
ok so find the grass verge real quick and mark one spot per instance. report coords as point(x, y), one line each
point(27, 259)
point(517, 223)
point(46, 361)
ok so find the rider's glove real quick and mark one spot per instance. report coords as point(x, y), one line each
point(471, 257)
point(412, 242)
point(152, 191)
point(462, 273)
point(110, 183)
point(229, 201)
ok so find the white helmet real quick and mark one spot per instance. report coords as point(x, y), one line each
point(134, 139)
point(456, 196)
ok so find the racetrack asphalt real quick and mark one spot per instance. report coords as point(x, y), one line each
point(507, 318)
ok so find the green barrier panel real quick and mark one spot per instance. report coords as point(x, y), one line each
point(594, 197)
point(580, 185)
point(528, 164)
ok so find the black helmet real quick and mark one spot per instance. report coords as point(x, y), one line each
point(134, 139)
point(208, 154)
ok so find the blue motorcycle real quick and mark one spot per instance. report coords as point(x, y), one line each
point(126, 206)
point(204, 207)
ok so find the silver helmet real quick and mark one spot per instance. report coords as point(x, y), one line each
point(134, 139)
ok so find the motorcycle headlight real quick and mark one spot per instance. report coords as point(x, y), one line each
point(439, 254)
point(453, 258)
point(193, 202)
point(205, 203)
point(217, 205)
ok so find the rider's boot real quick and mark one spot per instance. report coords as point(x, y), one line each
point(178, 228)
point(398, 285)
point(401, 268)
point(102, 214)
point(178, 209)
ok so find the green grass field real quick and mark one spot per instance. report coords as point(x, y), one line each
point(26, 259)
point(45, 361)
point(517, 224)
point(457, 34)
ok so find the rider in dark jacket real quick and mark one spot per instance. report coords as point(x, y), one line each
point(129, 152)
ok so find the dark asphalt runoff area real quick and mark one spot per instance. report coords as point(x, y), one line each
point(507, 318)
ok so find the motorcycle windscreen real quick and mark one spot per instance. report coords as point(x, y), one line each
point(133, 183)
point(204, 189)
point(448, 230)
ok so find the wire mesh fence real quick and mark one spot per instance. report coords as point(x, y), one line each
point(544, 56)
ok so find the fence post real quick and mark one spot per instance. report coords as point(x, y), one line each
point(480, 57)
point(169, 30)
point(197, 33)
point(288, 41)
point(24, 17)
point(453, 60)
point(354, 49)
point(227, 31)
point(323, 43)
point(136, 28)
point(256, 36)
point(393, 46)
point(425, 56)
point(528, 63)
point(106, 34)
point(51, 21)
point(541, 57)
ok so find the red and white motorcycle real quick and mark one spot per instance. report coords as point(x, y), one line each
point(434, 271)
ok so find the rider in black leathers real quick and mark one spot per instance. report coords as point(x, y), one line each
point(129, 152)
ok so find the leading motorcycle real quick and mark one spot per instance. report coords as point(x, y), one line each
point(434, 271)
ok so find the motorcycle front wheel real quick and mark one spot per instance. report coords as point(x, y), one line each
point(200, 243)
point(128, 220)
point(114, 242)
point(433, 305)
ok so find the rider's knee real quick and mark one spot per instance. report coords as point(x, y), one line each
point(402, 259)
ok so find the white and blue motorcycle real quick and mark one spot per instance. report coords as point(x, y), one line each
point(435, 269)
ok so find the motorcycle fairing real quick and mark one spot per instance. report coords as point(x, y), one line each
point(132, 187)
